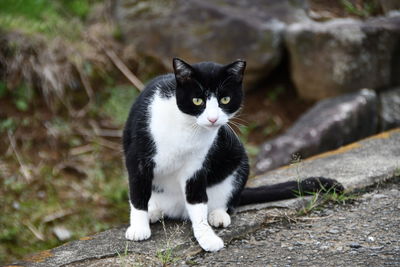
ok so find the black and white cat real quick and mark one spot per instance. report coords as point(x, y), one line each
point(182, 158)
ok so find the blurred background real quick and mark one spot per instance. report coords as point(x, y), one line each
point(320, 74)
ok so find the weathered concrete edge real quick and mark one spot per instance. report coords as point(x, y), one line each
point(356, 165)
point(247, 219)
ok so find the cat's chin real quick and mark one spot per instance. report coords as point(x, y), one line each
point(212, 127)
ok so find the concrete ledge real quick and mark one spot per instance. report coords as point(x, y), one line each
point(356, 166)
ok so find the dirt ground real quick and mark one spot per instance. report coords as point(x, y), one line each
point(363, 233)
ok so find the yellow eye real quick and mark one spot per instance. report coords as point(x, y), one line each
point(197, 101)
point(225, 100)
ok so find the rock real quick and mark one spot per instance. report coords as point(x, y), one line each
point(331, 123)
point(207, 30)
point(62, 233)
point(390, 108)
point(389, 5)
point(343, 55)
point(379, 196)
point(333, 231)
point(354, 245)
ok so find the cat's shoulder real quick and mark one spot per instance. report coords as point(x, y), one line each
point(163, 85)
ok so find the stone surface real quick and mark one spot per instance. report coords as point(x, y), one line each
point(390, 109)
point(331, 123)
point(343, 55)
point(207, 30)
point(62, 233)
point(389, 5)
point(356, 166)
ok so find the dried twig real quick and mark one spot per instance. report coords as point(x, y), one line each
point(104, 132)
point(34, 231)
point(108, 144)
point(56, 215)
point(313, 218)
point(99, 132)
point(24, 169)
point(118, 63)
point(124, 69)
point(81, 150)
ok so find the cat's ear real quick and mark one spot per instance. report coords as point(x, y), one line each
point(183, 71)
point(236, 68)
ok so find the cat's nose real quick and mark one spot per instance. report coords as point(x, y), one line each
point(212, 120)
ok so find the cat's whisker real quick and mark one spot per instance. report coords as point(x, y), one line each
point(236, 124)
point(233, 131)
point(237, 117)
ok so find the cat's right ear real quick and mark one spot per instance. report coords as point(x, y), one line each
point(183, 71)
point(237, 69)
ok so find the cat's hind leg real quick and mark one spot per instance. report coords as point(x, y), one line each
point(155, 212)
point(140, 181)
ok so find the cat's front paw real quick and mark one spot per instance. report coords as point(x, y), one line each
point(136, 233)
point(211, 243)
point(219, 218)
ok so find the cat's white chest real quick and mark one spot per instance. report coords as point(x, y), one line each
point(181, 146)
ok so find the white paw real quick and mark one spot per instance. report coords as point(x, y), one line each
point(155, 215)
point(211, 242)
point(219, 218)
point(136, 233)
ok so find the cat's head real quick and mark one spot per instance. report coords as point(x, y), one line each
point(210, 92)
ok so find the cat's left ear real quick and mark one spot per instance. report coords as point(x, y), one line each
point(183, 71)
point(236, 69)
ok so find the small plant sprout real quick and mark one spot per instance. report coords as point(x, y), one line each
point(166, 255)
point(122, 258)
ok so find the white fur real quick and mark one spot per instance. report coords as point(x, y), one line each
point(155, 213)
point(219, 218)
point(139, 228)
point(219, 194)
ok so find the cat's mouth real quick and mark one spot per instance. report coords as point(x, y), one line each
point(212, 125)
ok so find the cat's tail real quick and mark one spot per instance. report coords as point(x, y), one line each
point(288, 190)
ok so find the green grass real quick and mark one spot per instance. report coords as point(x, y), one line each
point(119, 101)
point(319, 200)
point(166, 255)
point(88, 204)
point(122, 257)
point(274, 94)
point(85, 192)
point(368, 8)
point(48, 17)
point(397, 172)
point(22, 96)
